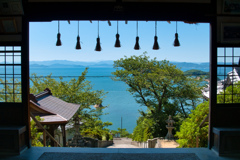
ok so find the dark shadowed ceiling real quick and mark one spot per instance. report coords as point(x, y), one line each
point(11, 12)
point(178, 1)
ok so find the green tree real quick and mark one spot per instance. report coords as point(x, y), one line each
point(77, 91)
point(123, 132)
point(158, 85)
point(96, 129)
point(143, 130)
point(35, 135)
point(190, 128)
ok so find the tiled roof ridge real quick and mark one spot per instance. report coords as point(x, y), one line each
point(32, 98)
point(46, 91)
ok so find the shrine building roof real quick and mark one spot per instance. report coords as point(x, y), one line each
point(52, 109)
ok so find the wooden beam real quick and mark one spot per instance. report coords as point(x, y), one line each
point(196, 12)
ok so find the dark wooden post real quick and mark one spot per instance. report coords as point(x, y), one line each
point(63, 134)
point(51, 131)
point(213, 82)
point(213, 73)
point(44, 138)
point(25, 78)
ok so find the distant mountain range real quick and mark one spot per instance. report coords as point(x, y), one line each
point(70, 64)
point(192, 65)
point(106, 64)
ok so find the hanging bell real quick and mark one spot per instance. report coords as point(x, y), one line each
point(137, 47)
point(59, 43)
point(117, 43)
point(98, 46)
point(155, 45)
point(78, 46)
point(176, 41)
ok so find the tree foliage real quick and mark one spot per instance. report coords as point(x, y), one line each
point(35, 135)
point(95, 128)
point(190, 128)
point(197, 73)
point(158, 85)
point(79, 91)
point(121, 132)
point(143, 130)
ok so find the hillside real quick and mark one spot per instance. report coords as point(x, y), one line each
point(195, 72)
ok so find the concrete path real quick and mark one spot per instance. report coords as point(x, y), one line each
point(166, 144)
point(122, 143)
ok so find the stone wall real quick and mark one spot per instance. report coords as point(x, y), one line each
point(140, 144)
point(156, 143)
point(152, 143)
point(103, 144)
point(79, 141)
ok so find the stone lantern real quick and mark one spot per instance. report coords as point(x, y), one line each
point(170, 127)
point(76, 125)
point(77, 140)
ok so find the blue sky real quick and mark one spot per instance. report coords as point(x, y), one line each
point(194, 40)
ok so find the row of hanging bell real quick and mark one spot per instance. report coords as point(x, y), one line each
point(59, 43)
point(137, 46)
point(117, 43)
point(155, 44)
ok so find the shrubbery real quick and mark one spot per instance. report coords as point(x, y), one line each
point(190, 128)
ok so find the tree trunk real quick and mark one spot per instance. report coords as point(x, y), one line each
point(185, 115)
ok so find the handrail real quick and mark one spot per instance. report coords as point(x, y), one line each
point(205, 120)
point(39, 125)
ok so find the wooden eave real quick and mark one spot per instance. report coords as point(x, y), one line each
point(40, 110)
point(37, 108)
point(52, 120)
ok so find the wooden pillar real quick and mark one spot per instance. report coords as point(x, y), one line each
point(63, 134)
point(213, 72)
point(51, 131)
point(213, 82)
point(44, 138)
point(25, 78)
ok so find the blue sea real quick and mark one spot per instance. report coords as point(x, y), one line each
point(119, 101)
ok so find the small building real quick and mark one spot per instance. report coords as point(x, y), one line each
point(231, 78)
point(54, 112)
